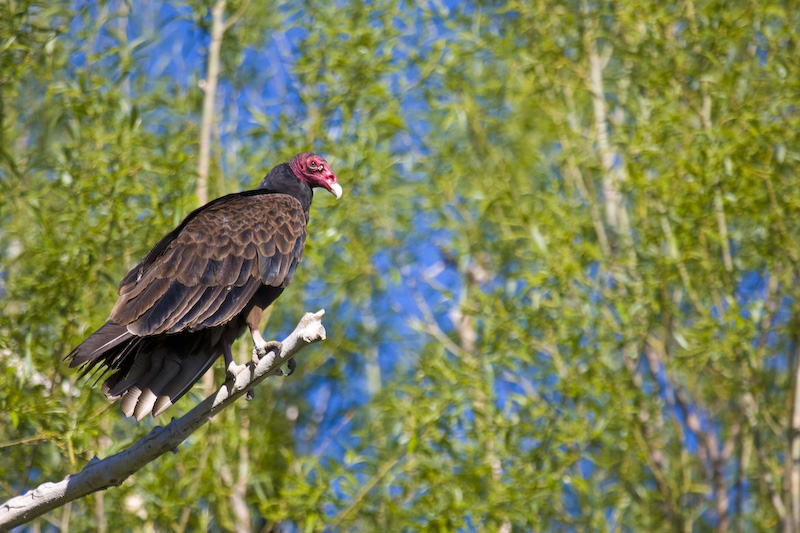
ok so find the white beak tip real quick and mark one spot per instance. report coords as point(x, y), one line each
point(336, 189)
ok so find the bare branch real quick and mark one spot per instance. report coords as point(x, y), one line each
point(707, 439)
point(236, 16)
point(365, 489)
point(751, 412)
point(112, 471)
point(675, 253)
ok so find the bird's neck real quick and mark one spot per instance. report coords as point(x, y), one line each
point(281, 179)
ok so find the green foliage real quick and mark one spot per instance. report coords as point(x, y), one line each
point(559, 360)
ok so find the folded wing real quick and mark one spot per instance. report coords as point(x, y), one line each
point(213, 265)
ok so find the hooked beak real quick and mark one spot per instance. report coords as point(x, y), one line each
point(336, 190)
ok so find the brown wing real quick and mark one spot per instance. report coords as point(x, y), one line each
point(206, 271)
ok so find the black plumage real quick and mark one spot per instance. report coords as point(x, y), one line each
point(201, 286)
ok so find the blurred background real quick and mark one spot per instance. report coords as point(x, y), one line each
point(561, 286)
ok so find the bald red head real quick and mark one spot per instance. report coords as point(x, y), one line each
point(315, 171)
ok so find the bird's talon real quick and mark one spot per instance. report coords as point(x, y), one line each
point(260, 350)
point(274, 346)
point(233, 370)
point(291, 364)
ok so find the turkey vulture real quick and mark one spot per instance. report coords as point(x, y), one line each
point(201, 285)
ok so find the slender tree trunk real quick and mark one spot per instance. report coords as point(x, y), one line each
point(792, 523)
point(239, 491)
point(218, 28)
point(209, 86)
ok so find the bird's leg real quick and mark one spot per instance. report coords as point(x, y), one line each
point(231, 368)
point(259, 345)
point(226, 352)
point(262, 347)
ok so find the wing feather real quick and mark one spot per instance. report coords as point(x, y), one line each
point(190, 272)
point(206, 271)
point(230, 270)
point(139, 300)
point(227, 307)
point(161, 309)
point(266, 248)
point(211, 272)
point(209, 310)
point(175, 260)
point(180, 311)
point(190, 319)
point(245, 272)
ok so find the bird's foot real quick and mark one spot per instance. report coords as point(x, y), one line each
point(260, 350)
point(291, 364)
point(233, 370)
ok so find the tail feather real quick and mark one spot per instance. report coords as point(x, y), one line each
point(108, 337)
point(130, 400)
point(190, 372)
point(117, 384)
point(150, 395)
point(150, 373)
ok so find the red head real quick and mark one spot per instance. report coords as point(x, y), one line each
point(315, 171)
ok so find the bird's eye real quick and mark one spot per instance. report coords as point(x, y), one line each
point(313, 165)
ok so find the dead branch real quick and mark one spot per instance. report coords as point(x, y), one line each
point(112, 471)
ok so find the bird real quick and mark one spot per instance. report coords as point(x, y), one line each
point(201, 286)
